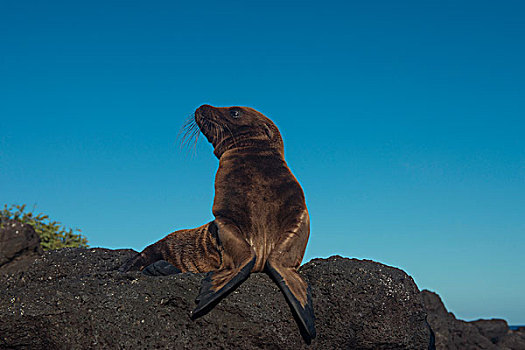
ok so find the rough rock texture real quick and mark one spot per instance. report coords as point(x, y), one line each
point(514, 340)
point(452, 334)
point(366, 305)
point(494, 329)
point(19, 246)
point(75, 299)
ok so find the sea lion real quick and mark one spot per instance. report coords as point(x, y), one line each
point(261, 220)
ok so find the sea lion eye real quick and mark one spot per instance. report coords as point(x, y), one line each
point(235, 113)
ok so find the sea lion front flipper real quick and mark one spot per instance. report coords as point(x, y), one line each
point(160, 268)
point(298, 297)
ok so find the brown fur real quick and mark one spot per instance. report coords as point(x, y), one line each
point(192, 250)
point(261, 220)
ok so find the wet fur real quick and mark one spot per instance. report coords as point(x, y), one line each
point(261, 220)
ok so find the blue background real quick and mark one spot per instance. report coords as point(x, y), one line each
point(403, 121)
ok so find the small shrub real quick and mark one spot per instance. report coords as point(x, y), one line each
point(52, 234)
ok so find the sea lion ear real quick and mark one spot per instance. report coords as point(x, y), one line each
point(269, 132)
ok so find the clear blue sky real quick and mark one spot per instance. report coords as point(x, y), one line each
point(403, 120)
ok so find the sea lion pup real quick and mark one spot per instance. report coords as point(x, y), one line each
point(261, 220)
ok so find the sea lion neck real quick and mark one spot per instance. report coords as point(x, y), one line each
point(251, 150)
point(254, 146)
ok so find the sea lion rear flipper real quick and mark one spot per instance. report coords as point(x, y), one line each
point(282, 265)
point(292, 286)
point(160, 268)
point(148, 256)
point(139, 261)
point(237, 261)
point(209, 297)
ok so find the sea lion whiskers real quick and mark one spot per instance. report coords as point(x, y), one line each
point(189, 134)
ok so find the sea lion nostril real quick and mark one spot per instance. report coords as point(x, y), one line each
point(205, 111)
point(205, 108)
point(201, 110)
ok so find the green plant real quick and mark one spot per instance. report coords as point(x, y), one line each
point(52, 234)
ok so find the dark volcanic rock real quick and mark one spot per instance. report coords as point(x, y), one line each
point(514, 340)
point(362, 304)
point(494, 329)
point(452, 334)
point(19, 246)
point(75, 299)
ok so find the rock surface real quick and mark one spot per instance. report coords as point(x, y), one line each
point(494, 329)
point(454, 334)
point(75, 299)
point(19, 246)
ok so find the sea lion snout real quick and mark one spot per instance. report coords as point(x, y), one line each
point(206, 120)
point(205, 111)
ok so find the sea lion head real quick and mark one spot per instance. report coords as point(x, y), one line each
point(228, 128)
